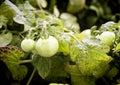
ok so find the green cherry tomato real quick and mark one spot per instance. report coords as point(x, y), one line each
point(47, 47)
point(28, 45)
point(107, 37)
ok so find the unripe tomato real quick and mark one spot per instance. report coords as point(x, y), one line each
point(27, 45)
point(107, 37)
point(47, 47)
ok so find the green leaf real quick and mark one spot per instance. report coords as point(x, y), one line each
point(3, 21)
point(77, 78)
point(18, 71)
point(84, 34)
point(92, 41)
point(82, 80)
point(112, 73)
point(5, 39)
point(8, 12)
point(29, 15)
point(76, 50)
point(117, 48)
point(97, 43)
point(64, 43)
point(107, 26)
point(93, 62)
point(42, 64)
point(90, 58)
point(70, 21)
point(58, 72)
point(73, 70)
point(56, 26)
point(16, 41)
point(11, 55)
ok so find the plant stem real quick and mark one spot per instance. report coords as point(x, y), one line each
point(75, 38)
point(29, 33)
point(25, 61)
point(34, 70)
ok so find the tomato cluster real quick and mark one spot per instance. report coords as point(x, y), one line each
point(44, 47)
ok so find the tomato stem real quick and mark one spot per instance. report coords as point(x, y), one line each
point(34, 70)
point(75, 38)
point(80, 43)
point(44, 33)
point(29, 33)
point(25, 61)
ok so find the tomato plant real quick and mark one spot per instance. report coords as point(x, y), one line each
point(42, 43)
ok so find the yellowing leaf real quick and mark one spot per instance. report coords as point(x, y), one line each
point(11, 56)
point(93, 62)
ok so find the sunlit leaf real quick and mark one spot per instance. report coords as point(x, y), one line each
point(84, 34)
point(93, 62)
point(76, 50)
point(96, 42)
point(117, 48)
point(107, 26)
point(92, 41)
point(56, 26)
point(64, 43)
